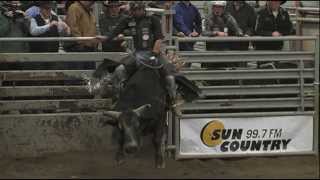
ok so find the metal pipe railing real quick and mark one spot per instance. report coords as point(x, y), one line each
point(42, 39)
point(252, 38)
point(307, 9)
point(308, 19)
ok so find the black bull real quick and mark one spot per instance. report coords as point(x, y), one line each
point(141, 110)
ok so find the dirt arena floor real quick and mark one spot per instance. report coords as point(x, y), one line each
point(101, 165)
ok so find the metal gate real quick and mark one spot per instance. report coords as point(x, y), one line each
point(291, 89)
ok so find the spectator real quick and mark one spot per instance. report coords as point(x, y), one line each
point(108, 21)
point(12, 24)
point(245, 16)
point(4, 25)
point(220, 24)
point(82, 23)
point(187, 22)
point(46, 24)
point(273, 21)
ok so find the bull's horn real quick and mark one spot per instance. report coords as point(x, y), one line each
point(140, 109)
point(112, 114)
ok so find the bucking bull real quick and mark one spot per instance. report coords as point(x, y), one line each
point(141, 105)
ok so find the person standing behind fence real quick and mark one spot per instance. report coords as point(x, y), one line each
point(13, 23)
point(220, 24)
point(82, 23)
point(108, 21)
point(245, 16)
point(46, 24)
point(187, 22)
point(272, 21)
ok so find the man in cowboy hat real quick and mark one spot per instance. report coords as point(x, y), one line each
point(274, 21)
point(108, 20)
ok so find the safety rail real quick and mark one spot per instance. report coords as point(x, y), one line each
point(305, 77)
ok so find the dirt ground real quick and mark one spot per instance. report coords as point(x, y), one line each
point(101, 165)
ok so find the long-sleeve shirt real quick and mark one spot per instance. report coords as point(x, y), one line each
point(187, 18)
point(36, 30)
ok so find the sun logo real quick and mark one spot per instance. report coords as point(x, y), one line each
point(208, 136)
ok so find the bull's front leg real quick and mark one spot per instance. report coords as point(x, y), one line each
point(159, 141)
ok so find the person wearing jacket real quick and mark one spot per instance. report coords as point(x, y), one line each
point(273, 21)
point(187, 22)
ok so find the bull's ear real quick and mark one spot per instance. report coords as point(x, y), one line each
point(113, 114)
point(140, 110)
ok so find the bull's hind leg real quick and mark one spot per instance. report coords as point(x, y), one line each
point(159, 141)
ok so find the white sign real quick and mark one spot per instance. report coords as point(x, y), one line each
point(254, 135)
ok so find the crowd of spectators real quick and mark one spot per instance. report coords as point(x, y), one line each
point(225, 18)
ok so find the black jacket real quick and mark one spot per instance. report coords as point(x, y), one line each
point(267, 23)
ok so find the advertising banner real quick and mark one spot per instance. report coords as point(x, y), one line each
point(253, 135)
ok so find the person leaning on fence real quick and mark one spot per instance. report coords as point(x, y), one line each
point(46, 24)
point(13, 23)
point(82, 22)
point(273, 21)
point(107, 22)
point(245, 16)
point(220, 24)
point(187, 22)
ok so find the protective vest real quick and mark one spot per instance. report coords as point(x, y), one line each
point(141, 30)
point(53, 32)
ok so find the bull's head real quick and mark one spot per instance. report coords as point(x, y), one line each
point(130, 127)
